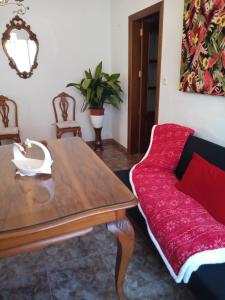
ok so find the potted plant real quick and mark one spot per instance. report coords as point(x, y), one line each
point(97, 89)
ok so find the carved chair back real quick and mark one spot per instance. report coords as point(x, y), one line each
point(63, 105)
point(5, 105)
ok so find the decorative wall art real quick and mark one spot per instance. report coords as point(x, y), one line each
point(203, 47)
point(21, 8)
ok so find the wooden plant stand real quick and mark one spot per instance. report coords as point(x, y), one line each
point(98, 139)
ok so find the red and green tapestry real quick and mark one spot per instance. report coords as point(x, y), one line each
point(203, 47)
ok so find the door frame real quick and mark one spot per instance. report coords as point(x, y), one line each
point(134, 78)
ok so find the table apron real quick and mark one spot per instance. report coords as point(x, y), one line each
point(31, 240)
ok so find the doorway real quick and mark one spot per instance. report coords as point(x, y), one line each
point(145, 42)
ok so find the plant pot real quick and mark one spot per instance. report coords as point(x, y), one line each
point(97, 117)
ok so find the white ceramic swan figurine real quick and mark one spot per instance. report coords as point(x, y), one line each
point(29, 166)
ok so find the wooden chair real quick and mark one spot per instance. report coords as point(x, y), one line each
point(61, 105)
point(10, 130)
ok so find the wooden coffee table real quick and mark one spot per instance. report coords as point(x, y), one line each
point(82, 192)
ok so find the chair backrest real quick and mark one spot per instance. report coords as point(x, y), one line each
point(5, 105)
point(62, 105)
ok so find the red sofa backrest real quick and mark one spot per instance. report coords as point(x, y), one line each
point(166, 146)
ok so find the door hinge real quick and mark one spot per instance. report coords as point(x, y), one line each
point(140, 74)
point(141, 32)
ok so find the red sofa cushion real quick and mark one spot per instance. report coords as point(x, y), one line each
point(205, 183)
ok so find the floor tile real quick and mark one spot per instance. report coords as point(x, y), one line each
point(83, 279)
point(23, 264)
point(25, 287)
point(79, 248)
point(116, 157)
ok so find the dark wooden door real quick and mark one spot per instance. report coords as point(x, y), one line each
point(149, 52)
point(144, 85)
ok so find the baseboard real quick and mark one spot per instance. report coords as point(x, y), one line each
point(105, 142)
point(108, 142)
point(120, 146)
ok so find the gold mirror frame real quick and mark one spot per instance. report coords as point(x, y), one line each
point(18, 23)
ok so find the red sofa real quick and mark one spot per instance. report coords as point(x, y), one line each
point(184, 233)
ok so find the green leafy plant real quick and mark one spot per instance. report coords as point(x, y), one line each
point(99, 88)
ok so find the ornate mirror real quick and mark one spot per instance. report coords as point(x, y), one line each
point(21, 47)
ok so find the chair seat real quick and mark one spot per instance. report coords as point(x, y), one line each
point(67, 124)
point(9, 130)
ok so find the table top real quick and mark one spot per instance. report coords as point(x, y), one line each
point(80, 184)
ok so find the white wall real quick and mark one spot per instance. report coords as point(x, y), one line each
point(78, 34)
point(206, 114)
point(73, 35)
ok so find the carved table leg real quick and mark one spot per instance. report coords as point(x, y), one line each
point(124, 232)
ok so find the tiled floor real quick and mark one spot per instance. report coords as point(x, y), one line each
point(83, 268)
point(116, 157)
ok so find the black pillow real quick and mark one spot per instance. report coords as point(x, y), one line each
point(213, 153)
